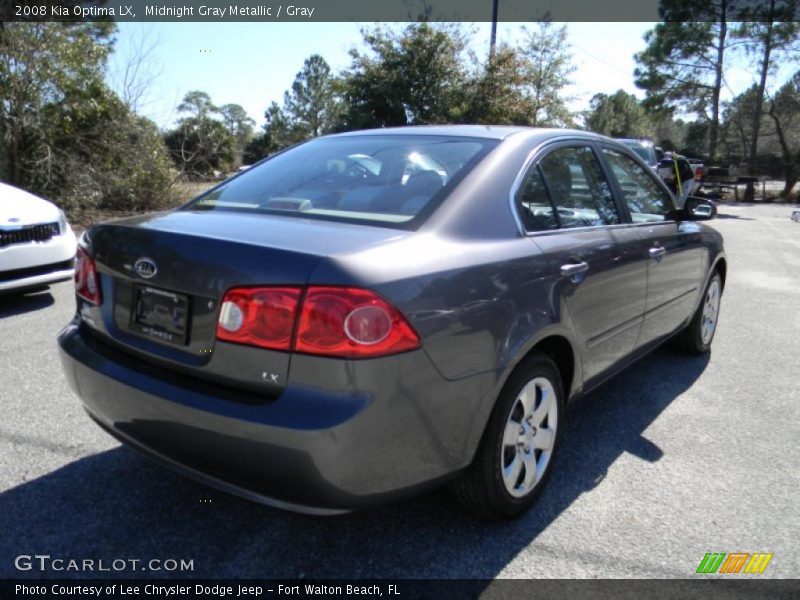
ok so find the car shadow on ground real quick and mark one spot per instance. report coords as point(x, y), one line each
point(116, 504)
point(19, 303)
point(729, 216)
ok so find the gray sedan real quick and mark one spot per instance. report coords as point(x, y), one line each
point(368, 315)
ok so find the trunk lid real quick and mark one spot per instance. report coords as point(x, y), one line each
point(168, 315)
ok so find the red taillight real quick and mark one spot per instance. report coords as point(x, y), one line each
point(352, 323)
point(698, 173)
point(261, 317)
point(87, 283)
point(331, 321)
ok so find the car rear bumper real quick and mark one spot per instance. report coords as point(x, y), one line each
point(209, 480)
point(378, 431)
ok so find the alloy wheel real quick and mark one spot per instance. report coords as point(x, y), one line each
point(529, 437)
point(710, 312)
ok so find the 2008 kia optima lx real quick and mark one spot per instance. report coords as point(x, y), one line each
point(366, 315)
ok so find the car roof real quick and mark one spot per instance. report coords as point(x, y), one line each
point(495, 132)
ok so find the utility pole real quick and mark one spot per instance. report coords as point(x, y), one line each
point(495, 4)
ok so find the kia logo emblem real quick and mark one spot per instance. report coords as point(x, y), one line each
point(145, 267)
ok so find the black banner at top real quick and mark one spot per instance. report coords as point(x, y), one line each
point(398, 10)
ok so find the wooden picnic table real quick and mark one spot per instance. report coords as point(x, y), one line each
point(724, 184)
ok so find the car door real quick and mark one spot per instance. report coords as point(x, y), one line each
point(674, 248)
point(566, 206)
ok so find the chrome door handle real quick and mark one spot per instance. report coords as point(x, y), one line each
point(657, 252)
point(571, 269)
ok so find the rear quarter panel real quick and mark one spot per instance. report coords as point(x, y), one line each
point(478, 306)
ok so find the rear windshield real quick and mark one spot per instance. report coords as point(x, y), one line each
point(390, 180)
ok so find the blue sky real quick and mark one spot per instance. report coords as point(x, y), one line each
point(253, 63)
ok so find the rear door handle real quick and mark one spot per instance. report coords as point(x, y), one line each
point(657, 252)
point(571, 269)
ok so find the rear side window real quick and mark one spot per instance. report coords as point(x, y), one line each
point(647, 201)
point(533, 203)
point(377, 179)
point(579, 188)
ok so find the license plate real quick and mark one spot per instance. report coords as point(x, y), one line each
point(161, 314)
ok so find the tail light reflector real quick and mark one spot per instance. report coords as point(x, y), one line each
point(87, 283)
point(331, 321)
point(698, 173)
point(263, 316)
point(352, 323)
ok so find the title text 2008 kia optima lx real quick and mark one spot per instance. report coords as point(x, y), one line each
point(369, 314)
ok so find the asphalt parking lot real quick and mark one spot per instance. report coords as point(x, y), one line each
point(676, 457)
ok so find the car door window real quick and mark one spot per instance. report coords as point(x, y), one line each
point(578, 187)
point(533, 203)
point(647, 201)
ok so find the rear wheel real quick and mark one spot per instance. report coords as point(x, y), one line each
point(696, 338)
point(515, 456)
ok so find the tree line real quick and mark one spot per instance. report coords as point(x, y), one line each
point(684, 68)
point(424, 74)
point(67, 136)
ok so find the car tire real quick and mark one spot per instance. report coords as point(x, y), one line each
point(518, 445)
point(697, 336)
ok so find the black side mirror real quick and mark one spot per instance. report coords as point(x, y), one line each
point(699, 209)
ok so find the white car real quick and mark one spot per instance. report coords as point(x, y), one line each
point(37, 245)
point(796, 215)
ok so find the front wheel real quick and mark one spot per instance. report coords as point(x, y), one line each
point(515, 455)
point(698, 335)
